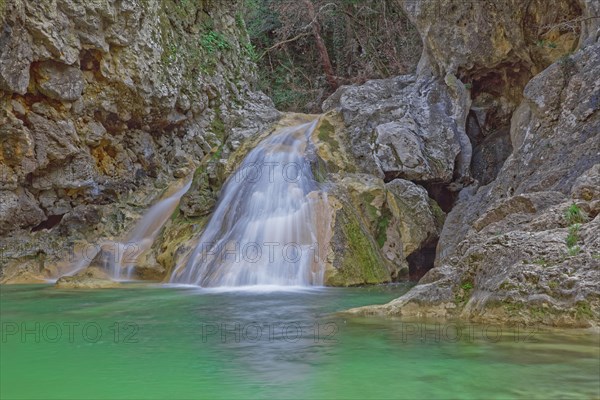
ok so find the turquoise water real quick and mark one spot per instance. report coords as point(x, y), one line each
point(168, 342)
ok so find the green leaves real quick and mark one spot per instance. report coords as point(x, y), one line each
point(213, 41)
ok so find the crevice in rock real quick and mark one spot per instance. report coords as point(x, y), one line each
point(440, 192)
point(422, 260)
point(490, 149)
point(49, 223)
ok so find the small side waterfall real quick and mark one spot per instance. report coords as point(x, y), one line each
point(264, 228)
point(119, 258)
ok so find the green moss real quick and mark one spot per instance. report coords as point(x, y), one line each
point(326, 134)
point(538, 312)
point(361, 263)
point(541, 261)
point(382, 225)
point(217, 126)
point(370, 210)
point(463, 294)
point(319, 170)
point(583, 310)
point(438, 213)
point(2, 10)
point(512, 308)
point(507, 286)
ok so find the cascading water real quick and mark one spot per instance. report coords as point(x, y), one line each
point(264, 230)
point(118, 258)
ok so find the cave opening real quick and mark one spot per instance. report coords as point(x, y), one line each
point(441, 193)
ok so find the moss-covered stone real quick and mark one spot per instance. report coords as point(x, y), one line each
point(328, 139)
point(357, 260)
point(326, 133)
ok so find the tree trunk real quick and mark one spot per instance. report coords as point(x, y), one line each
point(323, 54)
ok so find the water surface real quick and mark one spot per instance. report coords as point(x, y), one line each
point(178, 342)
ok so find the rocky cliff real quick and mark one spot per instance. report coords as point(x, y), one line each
point(520, 82)
point(104, 103)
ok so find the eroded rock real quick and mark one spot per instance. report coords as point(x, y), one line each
point(59, 81)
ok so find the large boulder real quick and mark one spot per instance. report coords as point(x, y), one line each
point(406, 128)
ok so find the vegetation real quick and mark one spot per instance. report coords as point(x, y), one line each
point(213, 41)
point(307, 48)
point(463, 295)
point(573, 236)
point(575, 215)
point(573, 251)
point(326, 135)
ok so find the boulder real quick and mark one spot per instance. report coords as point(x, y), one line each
point(59, 81)
point(406, 128)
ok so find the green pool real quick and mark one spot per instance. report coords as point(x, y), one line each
point(174, 342)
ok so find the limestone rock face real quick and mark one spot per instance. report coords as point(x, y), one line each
point(102, 104)
point(525, 248)
point(471, 35)
point(495, 48)
point(59, 81)
point(406, 128)
point(520, 244)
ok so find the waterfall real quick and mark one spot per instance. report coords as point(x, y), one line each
point(264, 228)
point(119, 258)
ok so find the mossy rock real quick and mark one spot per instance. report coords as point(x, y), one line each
point(357, 259)
point(329, 138)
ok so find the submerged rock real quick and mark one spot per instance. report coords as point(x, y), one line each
point(90, 278)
